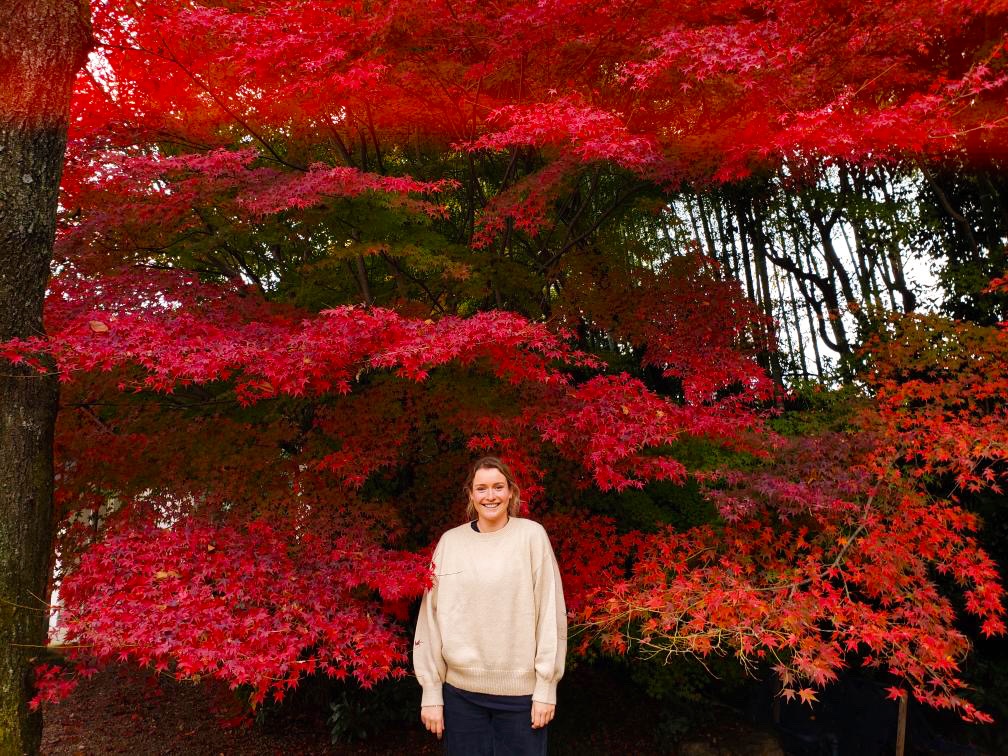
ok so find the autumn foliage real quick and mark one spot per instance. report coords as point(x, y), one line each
point(290, 303)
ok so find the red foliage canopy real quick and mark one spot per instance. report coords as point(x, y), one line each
point(243, 542)
point(182, 333)
point(671, 92)
point(830, 552)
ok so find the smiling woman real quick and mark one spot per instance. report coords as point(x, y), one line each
point(491, 637)
point(492, 494)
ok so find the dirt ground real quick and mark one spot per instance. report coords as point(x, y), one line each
point(126, 710)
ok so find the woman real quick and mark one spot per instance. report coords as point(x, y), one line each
point(492, 632)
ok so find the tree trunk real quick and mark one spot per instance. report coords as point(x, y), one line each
point(42, 45)
point(745, 257)
point(731, 262)
point(755, 217)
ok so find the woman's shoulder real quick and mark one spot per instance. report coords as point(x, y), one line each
point(530, 527)
point(459, 531)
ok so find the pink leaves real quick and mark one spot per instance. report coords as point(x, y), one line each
point(166, 189)
point(254, 605)
point(743, 50)
point(688, 322)
point(526, 203)
point(280, 353)
point(952, 376)
point(608, 421)
point(275, 191)
point(754, 590)
point(666, 91)
point(218, 163)
point(52, 684)
point(589, 132)
point(592, 555)
point(180, 333)
point(832, 548)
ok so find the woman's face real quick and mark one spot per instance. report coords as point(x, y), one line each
point(491, 494)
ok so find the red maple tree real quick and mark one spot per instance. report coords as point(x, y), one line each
point(258, 449)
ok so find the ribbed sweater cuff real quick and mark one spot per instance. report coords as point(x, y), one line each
point(545, 692)
point(432, 696)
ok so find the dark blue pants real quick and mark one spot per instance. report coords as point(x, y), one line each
point(479, 724)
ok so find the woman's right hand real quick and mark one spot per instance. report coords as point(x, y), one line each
point(433, 719)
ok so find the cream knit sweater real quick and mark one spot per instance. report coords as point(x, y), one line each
point(495, 620)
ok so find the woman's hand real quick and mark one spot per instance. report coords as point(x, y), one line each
point(433, 718)
point(542, 714)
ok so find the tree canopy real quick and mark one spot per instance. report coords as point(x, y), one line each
point(312, 257)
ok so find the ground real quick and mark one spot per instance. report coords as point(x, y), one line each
point(126, 710)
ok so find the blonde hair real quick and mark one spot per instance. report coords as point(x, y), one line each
point(492, 463)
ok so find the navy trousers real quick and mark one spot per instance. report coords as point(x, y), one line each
point(480, 724)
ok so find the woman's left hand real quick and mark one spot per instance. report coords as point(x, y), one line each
point(542, 714)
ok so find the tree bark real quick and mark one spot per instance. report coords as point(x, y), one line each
point(754, 217)
point(745, 257)
point(42, 45)
point(726, 237)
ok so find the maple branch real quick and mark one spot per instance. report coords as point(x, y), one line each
point(953, 213)
point(434, 301)
point(172, 138)
point(86, 409)
point(340, 144)
point(593, 185)
point(216, 98)
point(463, 28)
point(874, 79)
point(159, 400)
point(470, 214)
point(16, 605)
point(510, 168)
point(617, 203)
point(179, 239)
point(33, 375)
point(363, 147)
point(374, 137)
point(449, 97)
point(360, 273)
point(239, 258)
point(862, 526)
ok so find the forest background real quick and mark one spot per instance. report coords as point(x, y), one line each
point(724, 283)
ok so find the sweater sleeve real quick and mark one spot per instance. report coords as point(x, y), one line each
point(551, 623)
point(428, 662)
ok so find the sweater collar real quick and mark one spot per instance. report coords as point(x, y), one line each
point(508, 526)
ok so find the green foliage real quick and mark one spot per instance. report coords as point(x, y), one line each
point(356, 714)
point(351, 713)
point(812, 408)
point(963, 229)
point(685, 682)
point(655, 505)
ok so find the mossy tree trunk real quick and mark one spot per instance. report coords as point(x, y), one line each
point(43, 43)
